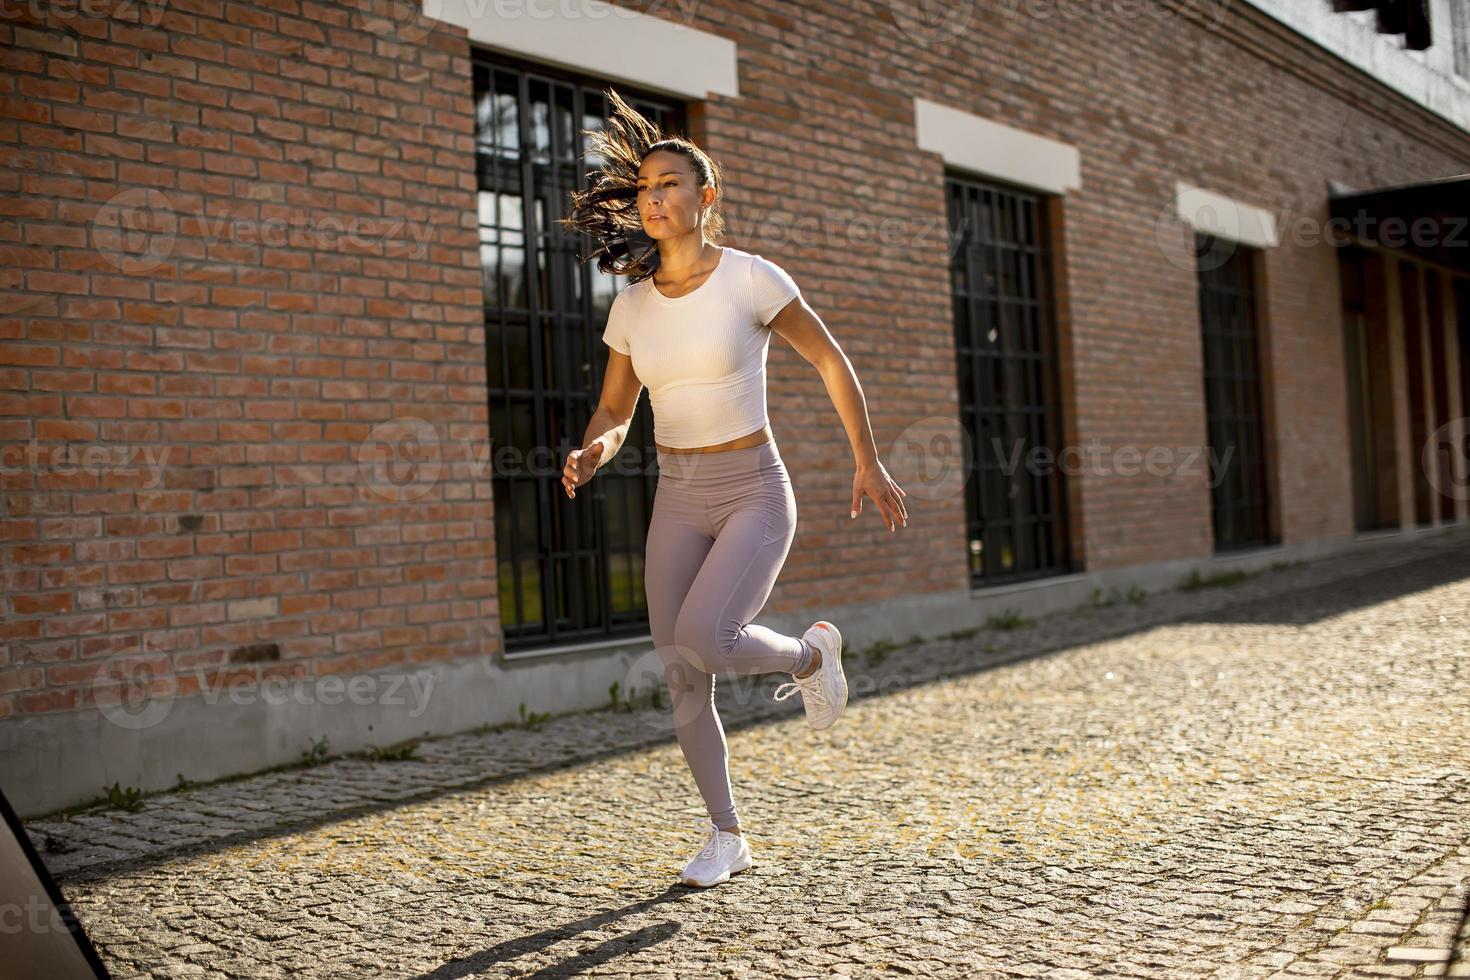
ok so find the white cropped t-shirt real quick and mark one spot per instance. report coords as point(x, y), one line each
point(702, 355)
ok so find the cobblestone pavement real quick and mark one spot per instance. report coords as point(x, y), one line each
point(1268, 779)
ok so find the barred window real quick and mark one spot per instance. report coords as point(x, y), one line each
point(570, 570)
point(1005, 344)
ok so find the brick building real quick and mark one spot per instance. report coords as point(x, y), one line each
point(291, 349)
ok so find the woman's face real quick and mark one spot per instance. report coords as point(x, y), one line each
point(668, 197)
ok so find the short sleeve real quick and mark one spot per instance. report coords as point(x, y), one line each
point(770, 288)
point(615, 335)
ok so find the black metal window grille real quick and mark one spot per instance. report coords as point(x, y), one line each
point(1016, 519)
point(1233, 400)
point(570, 571)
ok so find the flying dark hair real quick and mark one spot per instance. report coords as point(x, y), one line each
point(607, 211)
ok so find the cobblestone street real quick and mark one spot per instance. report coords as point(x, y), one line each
point(1268, 778)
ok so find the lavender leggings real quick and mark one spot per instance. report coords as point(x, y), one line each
point(721, 528)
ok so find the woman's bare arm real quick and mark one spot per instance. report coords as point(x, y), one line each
point(608, 424)
point(806, 332)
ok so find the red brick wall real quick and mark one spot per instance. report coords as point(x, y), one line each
point(263, 370)
point(237, 240)
point(1216, 95)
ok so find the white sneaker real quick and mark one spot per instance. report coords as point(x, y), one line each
point(824, 690)
point(725, 854)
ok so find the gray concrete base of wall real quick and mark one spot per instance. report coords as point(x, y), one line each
point(56, 760)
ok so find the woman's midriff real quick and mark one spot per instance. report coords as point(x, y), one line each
point(763, 434)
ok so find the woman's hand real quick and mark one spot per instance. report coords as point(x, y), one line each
point(876, 483)
point(581, 465)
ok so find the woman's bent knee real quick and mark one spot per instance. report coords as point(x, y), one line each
point(697, 639)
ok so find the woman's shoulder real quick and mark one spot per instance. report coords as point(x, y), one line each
point(742, 256)
point(759, 268)
point(762, 266)
point(627, 303)
point(753, 260)
point(633, 291)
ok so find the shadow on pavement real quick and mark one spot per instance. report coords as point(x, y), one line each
point(1313, 603)
point(601, 953)
point(1268, 598)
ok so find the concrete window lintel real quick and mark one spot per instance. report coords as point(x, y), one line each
point(1216, 214)
point(596, 38)
point(992, 149)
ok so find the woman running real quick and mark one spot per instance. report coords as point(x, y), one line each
point(694, 326)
